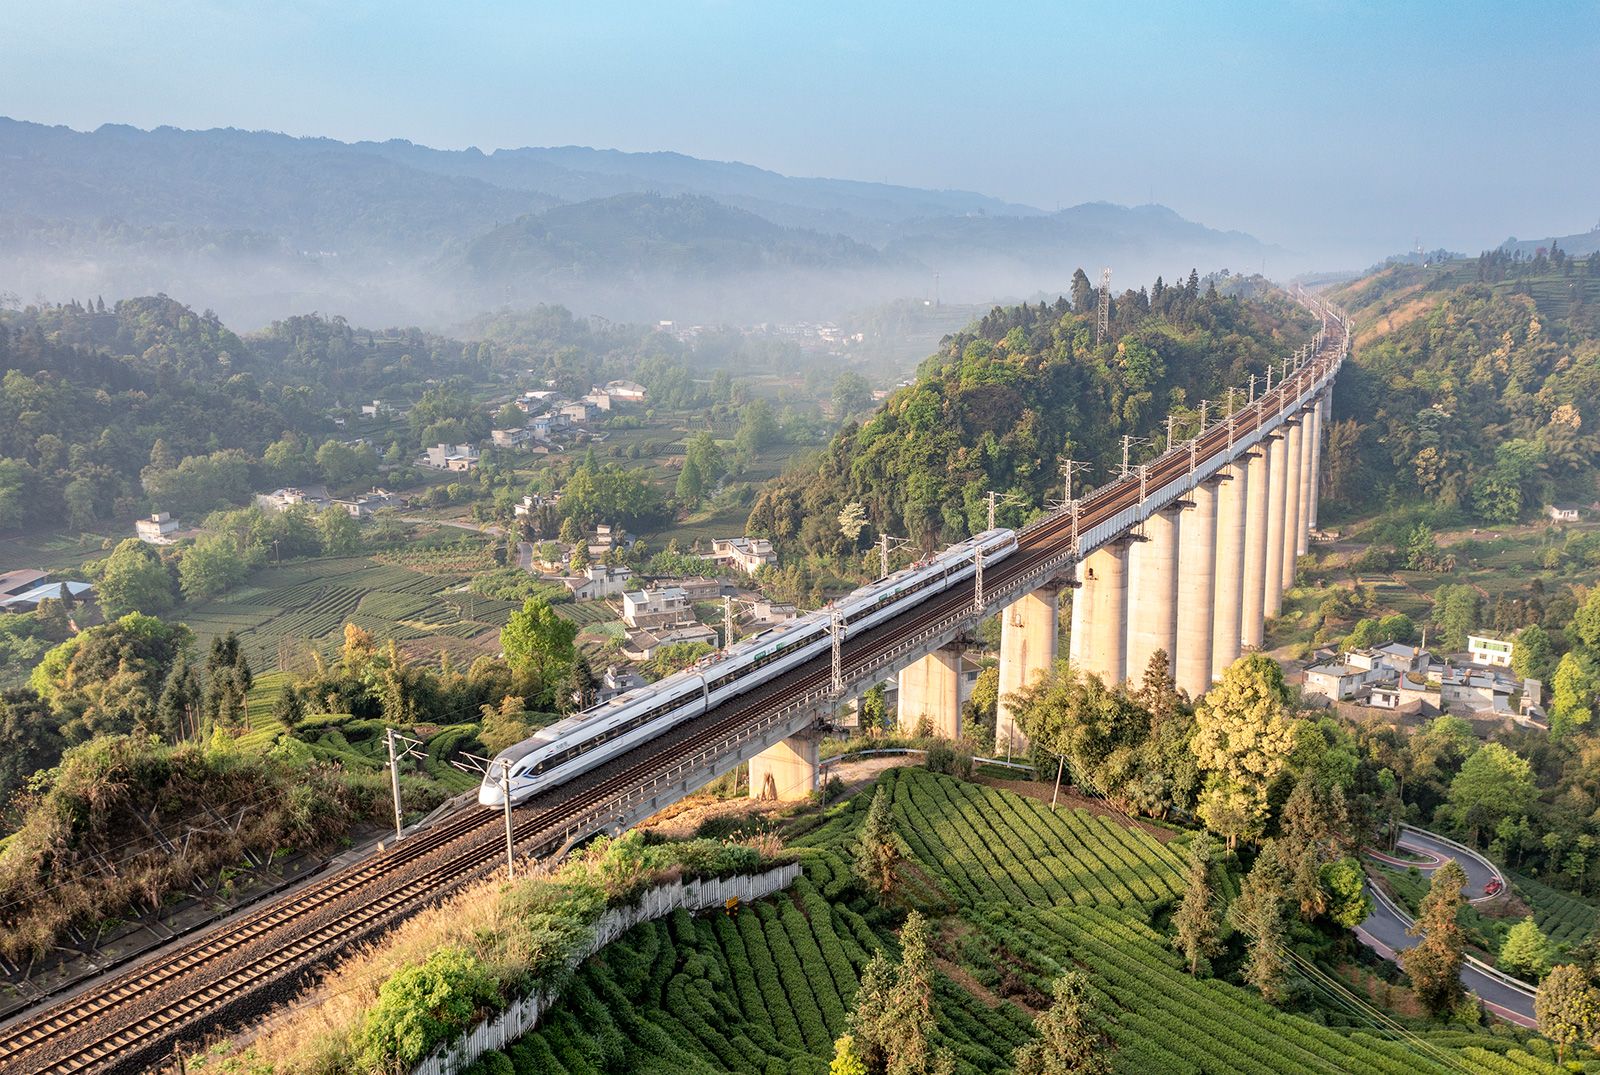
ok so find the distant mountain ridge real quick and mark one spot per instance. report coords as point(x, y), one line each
point(260, 225)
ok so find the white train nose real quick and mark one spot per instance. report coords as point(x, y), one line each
point(489, 794)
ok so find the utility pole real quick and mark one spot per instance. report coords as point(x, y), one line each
point(886, 545)
point(977, 586)
point(1169, 432)
point(511, 844)
point(727, 622)
point(407, 748)
point(994, 499)
point(1204, 403)
point(1252, 389)
point(838, 649)
point(1144, 474)
point(1061, 763)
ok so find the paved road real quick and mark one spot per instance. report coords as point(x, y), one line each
point(1384, 931)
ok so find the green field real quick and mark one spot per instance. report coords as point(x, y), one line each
point(283, 612)
point(1016, 893)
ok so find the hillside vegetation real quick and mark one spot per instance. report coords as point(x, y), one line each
point(1003, 402)
point(1475, 386)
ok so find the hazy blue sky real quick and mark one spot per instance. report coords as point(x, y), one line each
point(1347, 128)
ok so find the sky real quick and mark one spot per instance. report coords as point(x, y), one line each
point(1347, 130)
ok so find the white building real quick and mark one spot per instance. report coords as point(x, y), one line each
point(625, 391)
point(458, 457)
point(1562, 513)
point(747, 554)
point(366, 503)
point(159, 529)
point(510, 438)
point(313, 496)
point(598, 582)
point(648, 610)
point(1489, 651)
point(1341, 682)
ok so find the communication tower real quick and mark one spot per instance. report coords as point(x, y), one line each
point(1102, 327)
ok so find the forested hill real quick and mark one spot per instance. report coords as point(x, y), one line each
point(1003, 402)
point(1475, 387)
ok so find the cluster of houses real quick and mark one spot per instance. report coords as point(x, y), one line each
point(22, 590)
point(1410, 680)
point(551, 415)
point(316, 497)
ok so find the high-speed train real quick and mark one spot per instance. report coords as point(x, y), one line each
point(562, 750)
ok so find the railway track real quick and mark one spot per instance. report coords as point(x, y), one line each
point(135, 1020)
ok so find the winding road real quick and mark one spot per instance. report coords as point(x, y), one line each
point(1384, 931)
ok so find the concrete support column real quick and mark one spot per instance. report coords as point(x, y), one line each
point(1100, 613)
point(1308, 478)
point(1028, 630)
point(1278, 469)
point(787, 770)
point(931, 688)
point(1153, 594)
point(1258, 509)
point(1196, 600)
point(1228, 603)
point(1319, 414)
point(1295, 460)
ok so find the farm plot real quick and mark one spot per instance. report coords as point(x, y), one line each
point(304, 606)
point(985, 845)
point(765, 991)
point(1561, 916)
point(1163, 1020)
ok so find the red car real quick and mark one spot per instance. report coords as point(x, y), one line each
point(1493, 887)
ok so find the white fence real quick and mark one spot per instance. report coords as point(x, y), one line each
point(523, 1015)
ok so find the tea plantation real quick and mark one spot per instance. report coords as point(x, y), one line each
point(1017, 893)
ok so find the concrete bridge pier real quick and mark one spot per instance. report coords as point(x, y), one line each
point(931, 688)
point(1228, 603)
point(1100, 613)
point(1197, 578)
point(1028, 630)
point(1153, 594)
point(1292, 504)
point(1308, 479)
point(1277, 508)
point(1258, 509)
point(787, 770)
point(1320, 413)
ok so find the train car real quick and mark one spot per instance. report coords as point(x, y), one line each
point(890, 596)
point(769, 654)
point(568, 747)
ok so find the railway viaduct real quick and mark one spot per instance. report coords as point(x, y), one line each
point(1188, 554)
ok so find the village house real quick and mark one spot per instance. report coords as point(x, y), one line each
point(642, 645)
point(747, 554)
point(1489, 651)
point(312, 496)
point(159, 529)
point(364, 504)
point(1562, 513)
point(617, 681)
point(625, 391)
point(21, 591)
point(598, 582)
point(376, 409)
point(457, 457)
point(1342, 681)
point(648, 610)
point(510, 438)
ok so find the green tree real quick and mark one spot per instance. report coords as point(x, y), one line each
point(1258, 913)
point(1525, 951)
point(876, 851)
point(1349, 902)
point(846, 1061)
point(289, 709)
point(338, 532)
point(344, 465)
point(1572, 698)
point(851, 395)
point(852, 520)
point(1494, 783)
point(758, 429)
point(1434, 963)
point(182, 701)
point(691, 486)
point(135, 580)
point(1456, 608)
point(1198, 925)
point(29, 740)
point(1533, 652)
point(1243, 730)
point(422, 1005)
point(1568, 1007)
point(1064, 1041)
point(703, 451)
point(1586, 621)
point(210, 566)
point(539, 644)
